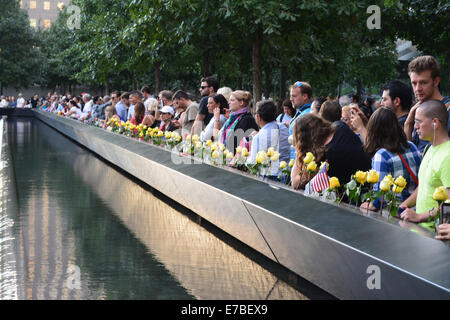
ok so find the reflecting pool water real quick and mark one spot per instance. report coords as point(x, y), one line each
point(84, 230)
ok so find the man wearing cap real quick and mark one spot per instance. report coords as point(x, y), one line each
point(20, 101)
point(301, 93)
point(167, 113)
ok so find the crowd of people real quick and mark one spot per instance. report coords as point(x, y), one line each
point(405, 134)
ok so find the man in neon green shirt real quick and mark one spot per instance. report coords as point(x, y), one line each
point(431, 125)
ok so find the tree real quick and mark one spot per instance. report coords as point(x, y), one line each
point(19, 55)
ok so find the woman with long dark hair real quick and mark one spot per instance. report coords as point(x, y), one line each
point(139, 115)
point(391, 153)
point(217, 104)
point(334, 143)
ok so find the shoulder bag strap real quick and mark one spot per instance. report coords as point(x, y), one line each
point(409, 169)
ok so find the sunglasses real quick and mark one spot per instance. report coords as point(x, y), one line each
point(298, 84)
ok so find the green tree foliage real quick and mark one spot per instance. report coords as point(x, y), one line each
point(19, 55)
point(248, 44)
point(426, 24)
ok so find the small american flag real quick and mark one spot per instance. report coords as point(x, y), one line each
point(320, 181)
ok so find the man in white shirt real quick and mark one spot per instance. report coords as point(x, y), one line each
point(88, 103)
point(20, 101)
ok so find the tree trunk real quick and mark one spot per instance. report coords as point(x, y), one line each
point(107, 85)
point(257, 62)
point(206, 60)
point(359, 89)
point(299, 72)
point(268, 85)
point(133, 81)
point(157, 77)
point(282, 84)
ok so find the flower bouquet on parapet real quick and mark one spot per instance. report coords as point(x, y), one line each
point(372, 178)
point(286, 169)
point(172, 139)
point(157, 136)
point(353, 188)
point(240, 159)
point(187, 145)
point(261, 163)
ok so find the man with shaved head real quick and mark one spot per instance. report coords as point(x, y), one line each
point(430, 123)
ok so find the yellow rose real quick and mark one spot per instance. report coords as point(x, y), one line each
point(389, 178)
point(239, 149)
point(334, 183)
point(291, 163)
point(160, 134)
point(229, 154)
point(312, 166)
point(440, 194)
point(361, 177)
point(275, 156)
point(397, 189)
point(385, 185)
point(270, 151)
point(401, 182)
point(168, 134)
point(222, 147)
point(209, 143)
point(244, 152)
point(141, 135)
point(283, 165)
point(188, 137)
point(261, 157)
point(373, 176)
point(308, 158)
point(215, 155)
point(214, 147)
point(122, 123)
point(195, 138)
point(198, 145)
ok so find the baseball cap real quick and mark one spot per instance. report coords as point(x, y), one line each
point(166, 109)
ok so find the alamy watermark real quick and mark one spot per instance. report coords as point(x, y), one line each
point(374, 20)
point(374, 280)
point(74, 278)
point(74, 20)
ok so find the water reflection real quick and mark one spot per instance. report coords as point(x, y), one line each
point(127, 243)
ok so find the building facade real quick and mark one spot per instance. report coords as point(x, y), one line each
point(43, 13)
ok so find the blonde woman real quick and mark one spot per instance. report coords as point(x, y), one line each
point(241, 123)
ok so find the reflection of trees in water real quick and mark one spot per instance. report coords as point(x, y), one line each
point(208, 267)
point(81, 230)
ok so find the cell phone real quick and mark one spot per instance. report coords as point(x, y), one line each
point(400, 210)
point(444, 215)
